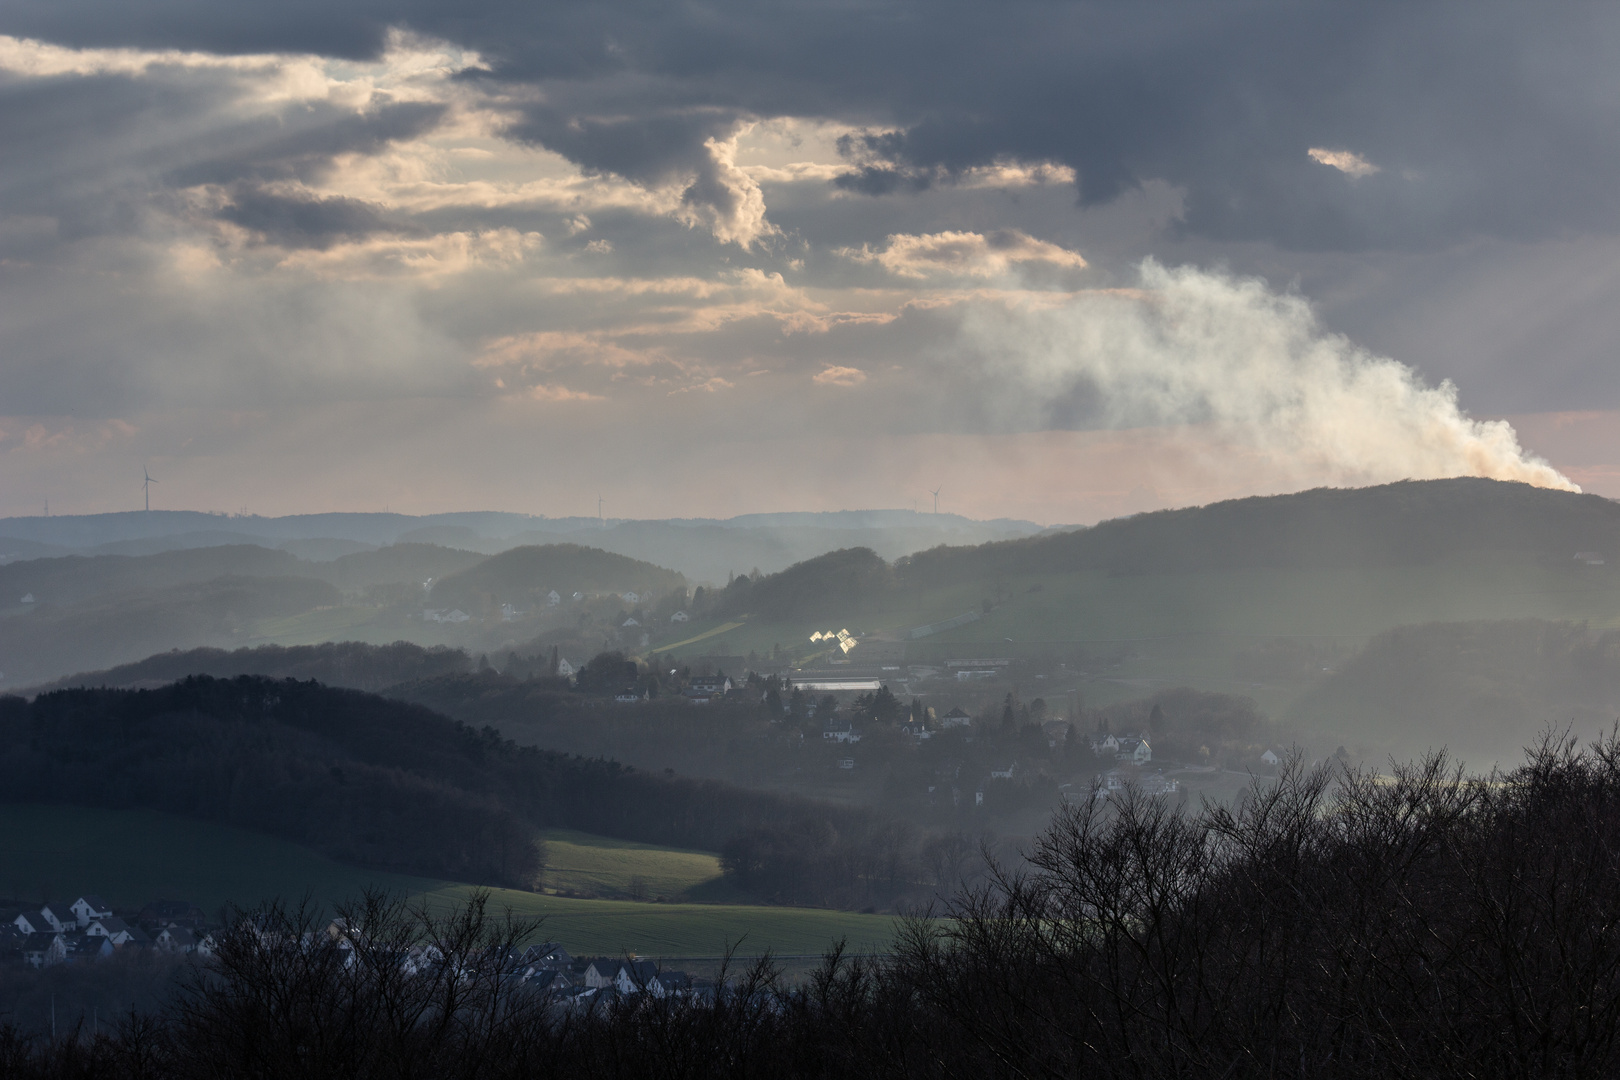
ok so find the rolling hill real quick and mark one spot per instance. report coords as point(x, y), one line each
point(524, 575)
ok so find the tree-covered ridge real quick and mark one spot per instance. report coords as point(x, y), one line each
point(68, 579)
point(1405, 523)
point(361, 778)
point(523, 576)
point(1414, 522)
point(352, 664)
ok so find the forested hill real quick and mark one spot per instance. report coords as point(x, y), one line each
point(524, 575)
point(358, 777)
point(352, 664)
point(1415, 522)
point(1411, 522)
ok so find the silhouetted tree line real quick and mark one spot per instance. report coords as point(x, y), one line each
point(1331, 925)
point(354, 664)
point(362, 778)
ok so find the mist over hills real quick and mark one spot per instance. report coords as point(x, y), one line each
point(1262, 597)
point(705, 550)
point(1484, 690)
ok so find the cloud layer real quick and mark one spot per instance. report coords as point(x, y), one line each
point(680, 234)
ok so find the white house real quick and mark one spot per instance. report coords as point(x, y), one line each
point(955, 718)
point(43, 950)
point(49, 919)
point(552, 598)
point(629, 695)
point(88, 908)
point(627, 977)
point(679, 616)
point(631, 598)
point(630, 622)
point(32, 922)
point(565, 669)
point(845, 734)
point(1270, 758)
point(1108, 744)
point(28, 598)
point(1004, 772)
point(1134, 752)
point(846, 763)
point(112, 928)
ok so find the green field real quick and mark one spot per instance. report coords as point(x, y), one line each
point(130, 857)
point(602, 867)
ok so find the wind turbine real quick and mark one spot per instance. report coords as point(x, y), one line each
point(600, 519)
point(146, 486)
point(935, 494)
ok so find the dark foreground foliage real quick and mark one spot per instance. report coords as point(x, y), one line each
point(1425, 925)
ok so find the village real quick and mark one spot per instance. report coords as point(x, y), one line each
point(88, 931)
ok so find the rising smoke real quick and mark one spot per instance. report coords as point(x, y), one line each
point(1251, 370)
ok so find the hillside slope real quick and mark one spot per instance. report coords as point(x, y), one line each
point(524, 575)
point(360, 778)
point(1483, 689)
point(1406, 523)
point(351, 664)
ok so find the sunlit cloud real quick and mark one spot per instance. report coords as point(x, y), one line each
point(1347, 162)
point(561, 393)
point(967, 254)
point(839, 376)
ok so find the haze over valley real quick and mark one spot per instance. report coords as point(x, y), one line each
point(809, 539)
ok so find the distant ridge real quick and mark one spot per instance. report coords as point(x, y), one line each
point(703, 549)
point(90, 530)
point(1412, 522)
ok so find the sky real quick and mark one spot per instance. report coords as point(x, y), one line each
point(1058, 261)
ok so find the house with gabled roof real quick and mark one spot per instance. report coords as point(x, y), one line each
point(44, 950)
point(552, 979)
point(89, 907)
point(547, 954)
point(117, 931)
point(1134, 752)
point(175, 939)
point(48, 919)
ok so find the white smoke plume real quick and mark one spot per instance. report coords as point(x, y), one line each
point(1241, 366)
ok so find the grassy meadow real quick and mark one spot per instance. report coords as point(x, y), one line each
point(130, 857)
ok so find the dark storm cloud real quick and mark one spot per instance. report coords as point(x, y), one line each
point(305, 222)
point(93, 152)
point(1495, 119)
point(300, 145)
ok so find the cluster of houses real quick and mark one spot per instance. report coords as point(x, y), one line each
point(549, 967)
point(88, 929)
